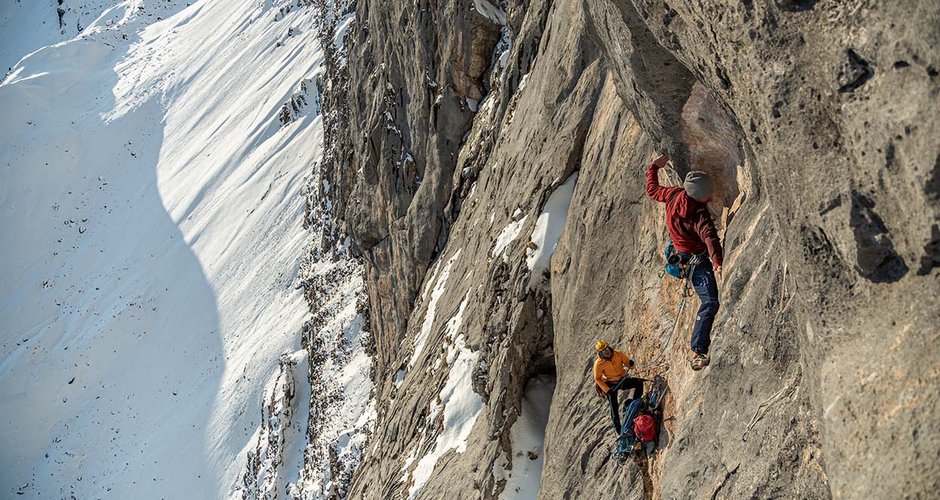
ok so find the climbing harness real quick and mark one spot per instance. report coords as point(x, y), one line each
point(683, 271)
point(676, 268)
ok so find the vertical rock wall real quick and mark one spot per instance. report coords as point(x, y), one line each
point(816, 119)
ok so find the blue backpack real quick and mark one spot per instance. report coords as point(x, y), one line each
point(627, 439)
point(650, 404)
point(672, 269)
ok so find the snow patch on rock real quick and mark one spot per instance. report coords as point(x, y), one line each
point(490, 11)
point(527, 436)
point(458, 403)
point(507, 236)
point(439, 288)
point(548, 228)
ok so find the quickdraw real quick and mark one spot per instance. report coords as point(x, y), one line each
point(688, 289)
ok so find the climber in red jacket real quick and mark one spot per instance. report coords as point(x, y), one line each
point(695, 239)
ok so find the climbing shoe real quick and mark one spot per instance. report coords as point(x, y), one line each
point(699, 361)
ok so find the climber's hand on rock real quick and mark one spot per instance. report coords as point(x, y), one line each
point(661, 161)
point(718, 274)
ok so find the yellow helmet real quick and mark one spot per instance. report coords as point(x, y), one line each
point(601, 345)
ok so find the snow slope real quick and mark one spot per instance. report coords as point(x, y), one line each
point(29, 25)
point(151, 204)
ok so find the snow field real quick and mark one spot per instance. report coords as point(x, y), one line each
point(149, 286)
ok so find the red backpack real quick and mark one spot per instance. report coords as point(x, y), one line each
point(644, 428)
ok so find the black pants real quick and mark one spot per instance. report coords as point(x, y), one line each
point(628, 383)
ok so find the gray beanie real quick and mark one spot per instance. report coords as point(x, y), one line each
point(698, 185)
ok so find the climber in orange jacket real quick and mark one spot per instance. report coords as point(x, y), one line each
point(610, 375)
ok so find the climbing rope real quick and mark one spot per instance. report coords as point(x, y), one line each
point(688, 290)
point(672, 333)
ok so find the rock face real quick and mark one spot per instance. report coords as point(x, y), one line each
point(457, 121)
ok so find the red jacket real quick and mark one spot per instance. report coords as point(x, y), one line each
point(688, 221)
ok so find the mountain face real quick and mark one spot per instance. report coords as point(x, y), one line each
point(489, 164)
point(331, 249)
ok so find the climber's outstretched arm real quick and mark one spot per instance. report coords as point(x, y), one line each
point(653, 189)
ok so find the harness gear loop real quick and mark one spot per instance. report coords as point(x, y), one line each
point(687, 271)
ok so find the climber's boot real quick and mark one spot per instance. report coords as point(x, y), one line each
point(699, 361)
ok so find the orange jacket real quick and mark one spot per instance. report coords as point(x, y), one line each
point(613, 369)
